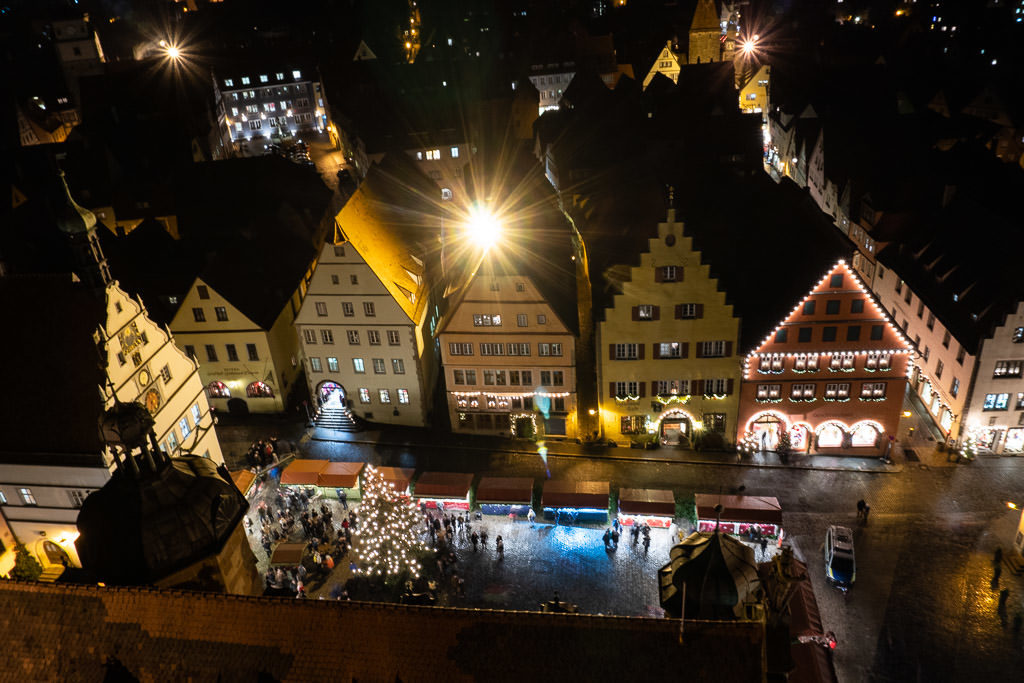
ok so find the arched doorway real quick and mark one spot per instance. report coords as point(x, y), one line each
point(328, 392)
point(676, 428)
point(766, 428)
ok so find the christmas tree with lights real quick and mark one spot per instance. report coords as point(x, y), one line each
point(388, 545)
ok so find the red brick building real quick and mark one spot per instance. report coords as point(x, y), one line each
point(832, 374)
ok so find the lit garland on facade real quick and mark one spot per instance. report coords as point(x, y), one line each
point(669, 400)
point(517, 416)
point(387, 531)
point(871, 300)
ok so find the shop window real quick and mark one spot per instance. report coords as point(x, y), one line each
point(259, 390)
point(830, 436)
point(864, 436)
point(218, 390)
point(633, 424)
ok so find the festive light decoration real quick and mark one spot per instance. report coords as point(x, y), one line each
point(653, 427)
point(668, 400)
point(623, 399)
point(516, 416)
point(969, 448)
point(748, 444)
point(870, 298)
point(387, 532)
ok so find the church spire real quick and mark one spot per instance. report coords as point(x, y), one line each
point(79, 225)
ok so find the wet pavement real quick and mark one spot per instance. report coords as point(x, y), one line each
point(922, 607)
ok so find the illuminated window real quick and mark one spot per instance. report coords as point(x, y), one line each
point(332, 364)
point(802, 392)
point(229, 83)
point(486, 320)
point(26, 496)
point(837, 392)
point(454, 152)
point(185, 428)
point(358, 366)
point(263, 78)
point(670, 350)
point(769, 392)
point(403, 396)
point(316, 365)
point(872, 390)
point(1007, 368)
point(296, 74)
point(364, 395)
point(385, 396)
point(245, 80)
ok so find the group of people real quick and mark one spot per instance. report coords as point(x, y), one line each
point(262, 454)
point(614, 532)
point(327, 543)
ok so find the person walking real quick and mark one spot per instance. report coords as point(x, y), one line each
point(343, 497)
point(474, 538)
point(500, 545)
point(860, 508)
point(607, 538)
point(531, 516)
point(483, 537)
point(634, 533)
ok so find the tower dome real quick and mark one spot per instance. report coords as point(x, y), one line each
point(72, 218)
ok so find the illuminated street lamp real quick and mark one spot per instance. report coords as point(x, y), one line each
point(483, 228)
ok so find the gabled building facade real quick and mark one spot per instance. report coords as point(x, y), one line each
point(247, 363)
point(832, 375)
point(666, 347)
point(995, 411)
point(509, 361)
point(368, 322)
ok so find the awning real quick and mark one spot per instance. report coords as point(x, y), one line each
point(576, 494)
point(444, 485)
point(287, 553)
point(761, 509)
point(243, 480)
point(343, 475)
point(647, 502)
point(398, 477)
point(303, 472)
point(505, 490)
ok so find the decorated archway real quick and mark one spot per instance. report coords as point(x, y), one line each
point(675, 427)
point(865, 434)
point(800, 436)
point(831, 434)
point(330, 392)
point(766, 427)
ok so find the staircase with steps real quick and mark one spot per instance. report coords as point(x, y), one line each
point(333, 416)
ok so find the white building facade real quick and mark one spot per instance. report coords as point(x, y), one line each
point(995, 413)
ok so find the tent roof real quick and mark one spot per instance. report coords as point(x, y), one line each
point(443, 485)
point(505, 490)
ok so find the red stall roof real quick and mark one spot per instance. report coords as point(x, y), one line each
point(243, 480)
point(647, 502)
point(577, 494)
point(341, 475)
point(399, 477)
point(444, 485)
point(739, 508)
point(505, 490)
point(303, 472)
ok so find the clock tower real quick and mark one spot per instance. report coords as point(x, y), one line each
point(79, 225)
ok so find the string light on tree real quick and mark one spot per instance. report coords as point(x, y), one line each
point(388, 538)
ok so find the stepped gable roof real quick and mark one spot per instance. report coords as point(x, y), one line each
point(393, 220)
point(719, 572)
point(257, 222)
point(160, 635)
point(155, 265)
point(62, 360)
point(139, 529)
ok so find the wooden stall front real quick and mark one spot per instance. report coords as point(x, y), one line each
point(739, 513)
point(654, 507)
point(445, 490)
point(591, 496)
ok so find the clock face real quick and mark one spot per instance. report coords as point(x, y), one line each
point(153, 401)
point(129, 338)
point(144, 377)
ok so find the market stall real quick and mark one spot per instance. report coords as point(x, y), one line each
point(287, 554)
point(303, 472)
point(244, 479)
point(341, 476)
point(505, 495)
point(398, 477)
point(739, 514)
point(443, 491)
point(576, 501)
point(654, 507)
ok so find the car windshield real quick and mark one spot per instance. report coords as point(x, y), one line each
point(842, 565)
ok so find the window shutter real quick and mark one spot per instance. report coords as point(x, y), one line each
point(700, 351)
point(698, 387)
point(642, 389)
point(679, 311)
point(659, 274)
point(679, 273)
point(657, 350)
point(729, 385)
point(636, 313)
point(640, 351)
point(728, 348)
point(611, 389)
point(656, 314)
point(686, 350)
point(700, 310)
point(611, 352)
point(654, 388)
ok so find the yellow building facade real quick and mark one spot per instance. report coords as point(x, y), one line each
point(667, 365)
